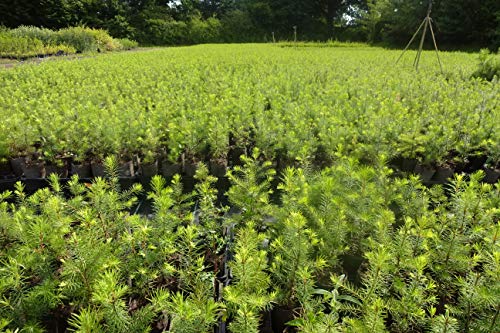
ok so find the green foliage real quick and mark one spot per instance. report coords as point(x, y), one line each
point(82, 39)
point(104, 41)
point(329, 43)
point(29, 41)
point(433, 266)
point(204, 31)
point(352, 247)
point(458, 22)
point(293, 265)
point(248, 295)
point(46, 36)
point(305, 112)
point(489, 65)
point(87, 320)
point(164, 32)
point(159, 31)
point(194, 313)
point(12, 46)
point(126, 44)
point(251, 188)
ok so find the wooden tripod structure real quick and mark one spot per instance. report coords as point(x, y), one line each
point(426, 23)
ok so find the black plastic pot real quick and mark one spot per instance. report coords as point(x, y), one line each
point(83, 170)
point(7, 184)
point(443, 174)
point(408, 164)
point(234, 154)
point(395, 162)
point(33, 185)
point(189, 169)
point(126, 169)
point(61, 172)
point(188, 183)
point(34, 170)
point(6, 170)
point(126, 183)
point(351, 265)
point(149, 170)
point(491, 175)
point(168, 169)
point(17, 164)
point(98, 169)
point(475, 163)
point(279, 317)
point(425, 172)
point(266, 325)
point(217, 168)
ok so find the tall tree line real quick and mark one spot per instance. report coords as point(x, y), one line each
point(457, 22)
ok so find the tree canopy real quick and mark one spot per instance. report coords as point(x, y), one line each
point(457, 22)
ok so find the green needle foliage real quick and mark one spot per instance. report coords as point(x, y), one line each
point(203, 102)
point(251, 188)
point(293, 265)
point(348, 249)
point(249, 294)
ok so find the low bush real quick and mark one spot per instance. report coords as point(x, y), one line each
point(127, 44)
point(330, 43)
point(25, 47)
point(172, 32)
point(103, 40)
point(82, 39)
point(29, 41)
point(15, 46)
point(204, 31)
point(46, 36)
point(163, 32)
point(489, 65)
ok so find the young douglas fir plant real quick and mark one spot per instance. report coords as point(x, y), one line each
point(251, 188)
point(293, 267)
point(248, 296)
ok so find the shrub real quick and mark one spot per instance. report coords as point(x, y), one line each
point(204, 31)
point(172, 32)
point(104, 41)
point(82, 39)
point(237, 26)
point(12, 47)
point(489, 65)
point(163, 32)
point(68, 40)
point(127, 44)
point(25, 47)
point(54, 49)
point(46, 36)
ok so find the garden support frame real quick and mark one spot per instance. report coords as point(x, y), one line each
point(426, 23)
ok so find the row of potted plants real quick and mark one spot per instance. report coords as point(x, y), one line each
point(205, 101)
point(348, 249)
point(30, 168)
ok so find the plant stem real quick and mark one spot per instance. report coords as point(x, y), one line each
point(495, 317)
point(372, 286)
point(448, 253)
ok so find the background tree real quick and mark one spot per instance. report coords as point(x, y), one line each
point(457, 22)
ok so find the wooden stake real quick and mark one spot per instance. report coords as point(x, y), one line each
point(411, 41)
point(435, 45)
point(417, 58)
point(427, 22)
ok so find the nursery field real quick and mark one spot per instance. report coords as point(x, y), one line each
point(287, 189)
point(201, 103)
